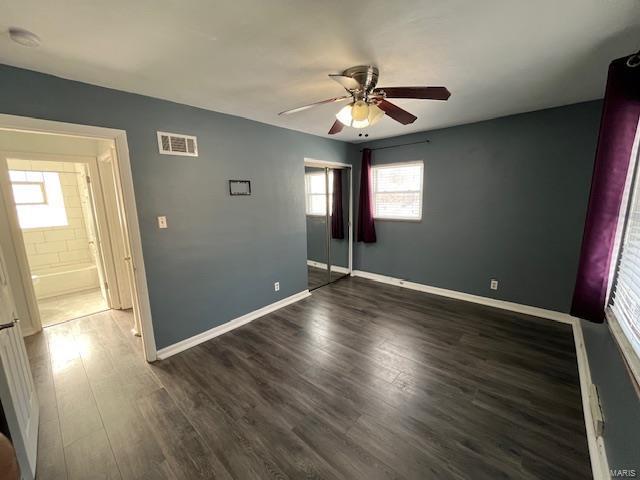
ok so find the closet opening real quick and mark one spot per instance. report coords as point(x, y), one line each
point(328, 208)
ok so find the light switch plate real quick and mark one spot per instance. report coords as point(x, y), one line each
point(162, 222)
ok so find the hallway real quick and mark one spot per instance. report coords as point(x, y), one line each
point(87, 372)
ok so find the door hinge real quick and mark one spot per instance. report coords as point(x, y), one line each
point(88, 179)
point(106, 286)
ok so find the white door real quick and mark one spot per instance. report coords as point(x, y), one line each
point(106, 181)
point(94, 239)
point(130, 267)
point(17, 390)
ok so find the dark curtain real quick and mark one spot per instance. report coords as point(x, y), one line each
point(337, 222)
point(366, 228)
point(618, 126)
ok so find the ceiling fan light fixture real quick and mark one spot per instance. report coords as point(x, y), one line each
point(360, 111)
point(352, 115)
point(370, 103)
point(375, 114)
point(344, 115)
point(360, 123)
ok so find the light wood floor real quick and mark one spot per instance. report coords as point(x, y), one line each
point(59, 309)
point(361, 380)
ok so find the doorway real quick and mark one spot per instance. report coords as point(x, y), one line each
point(54, 203)
point(69, 224)
point(328, 204)
point(61, 195)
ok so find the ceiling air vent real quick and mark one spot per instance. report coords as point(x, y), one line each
point(177, 144)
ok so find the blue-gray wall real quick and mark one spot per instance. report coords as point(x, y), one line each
point(503, 199)
point(220, 255)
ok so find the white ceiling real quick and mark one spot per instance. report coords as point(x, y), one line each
point(254, 58)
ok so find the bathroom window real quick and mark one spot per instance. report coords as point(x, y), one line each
point(39, 199)
point(29, 193)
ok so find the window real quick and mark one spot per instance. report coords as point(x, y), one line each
point(315, 190)
point(29, 193)
point(624, 313)
point(397, 191)
point(38, 198)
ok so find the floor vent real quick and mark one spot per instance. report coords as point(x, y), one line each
point(177, 144)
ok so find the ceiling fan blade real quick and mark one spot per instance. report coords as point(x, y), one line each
point(397, 113)
point(336, 127)
point(311, 105)
point(347, 82)
point(425, 93)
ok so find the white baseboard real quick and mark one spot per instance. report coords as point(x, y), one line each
point(323, 266)
point(166, 352)
point(597, 453)
point(467, 297)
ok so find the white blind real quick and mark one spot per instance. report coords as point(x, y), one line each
point(626, 291)
point(397, 191)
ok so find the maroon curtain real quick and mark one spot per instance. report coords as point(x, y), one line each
point(366, 228)
point(337, 222)
point(618, 126)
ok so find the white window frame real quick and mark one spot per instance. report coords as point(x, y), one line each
point(45, 204)
point(376, 168)
point(43, 191)
point(308, 194)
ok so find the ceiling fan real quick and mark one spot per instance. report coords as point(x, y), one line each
point(368, 104)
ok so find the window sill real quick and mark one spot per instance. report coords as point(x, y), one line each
point(410, 220)
point(628, 353)
point(55, 227)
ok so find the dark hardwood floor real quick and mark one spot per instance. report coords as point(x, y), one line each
point(318, 277)
point(361, 380)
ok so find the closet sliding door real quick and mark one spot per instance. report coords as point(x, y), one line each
point(328, 204)
point(339, 222)
point(318, 225)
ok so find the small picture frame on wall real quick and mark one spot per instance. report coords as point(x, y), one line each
point(239, 187)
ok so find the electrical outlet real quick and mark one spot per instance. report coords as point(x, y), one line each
point(162, 222)
point(276, 286)
point(494, 284)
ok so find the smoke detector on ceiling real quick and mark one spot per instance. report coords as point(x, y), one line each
point(24, 37)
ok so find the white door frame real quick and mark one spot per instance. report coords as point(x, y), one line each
point(130, 213)
point(310, 162)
